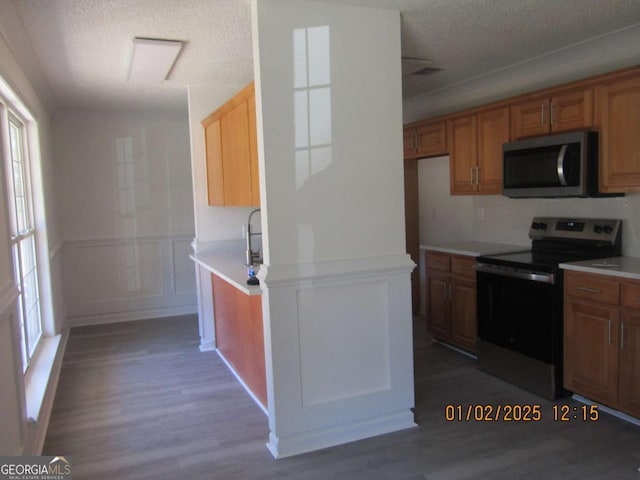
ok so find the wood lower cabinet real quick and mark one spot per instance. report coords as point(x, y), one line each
point(602, 339)
point(232, 152)
point(451, 299)
point(240, 334)
point(590, 350)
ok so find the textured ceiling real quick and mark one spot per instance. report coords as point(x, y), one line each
point(84, 45)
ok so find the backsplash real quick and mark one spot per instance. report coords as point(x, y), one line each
point(494, 218)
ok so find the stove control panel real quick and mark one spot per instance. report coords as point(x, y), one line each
point(584, 229)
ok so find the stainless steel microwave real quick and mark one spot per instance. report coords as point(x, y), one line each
point(562, 165)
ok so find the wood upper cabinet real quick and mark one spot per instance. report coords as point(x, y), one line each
point(475, 150)
point(451, 299)
point(555, 112)
point(602, 339)
point(618, 120)
point(425, 140)
point(231, 152)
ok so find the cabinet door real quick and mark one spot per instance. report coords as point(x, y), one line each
point(253, 152)
point(530, 118)
point(591, 350)
point(410, 143)
point(235, 156)
point(438, 305)
point(572, 110)
point(464, 325)
point(432, 139)
point(618, 118)
point(463, 154)
point(630, 363)
point(213, 147)
point(493, 131)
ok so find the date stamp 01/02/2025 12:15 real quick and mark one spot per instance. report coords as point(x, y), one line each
point(519, 413)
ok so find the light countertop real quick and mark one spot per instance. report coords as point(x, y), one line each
point(475, 249)
point(226, 260)
point(624, 267)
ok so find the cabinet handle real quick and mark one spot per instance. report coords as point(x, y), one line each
point(418, 142)
point(471, 176)
point(477, 175)
point(551, 113)
point(589, 290)
point(542, 116)
point(622, 336)
point(609, 331)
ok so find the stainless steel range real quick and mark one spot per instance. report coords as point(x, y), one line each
point(520, 300)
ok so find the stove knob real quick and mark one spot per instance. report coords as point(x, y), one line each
point(597, 228)
point(608, 229)
point(543, 226)
point(535, 226)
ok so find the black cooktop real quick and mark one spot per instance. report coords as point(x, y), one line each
point(540, 261)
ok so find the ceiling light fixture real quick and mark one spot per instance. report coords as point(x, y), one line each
point(152, 59)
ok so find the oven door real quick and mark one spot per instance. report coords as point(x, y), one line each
point(521, 312)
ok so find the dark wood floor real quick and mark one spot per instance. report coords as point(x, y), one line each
point(139, 401)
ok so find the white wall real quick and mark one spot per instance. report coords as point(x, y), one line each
point(125, 196)
point(336, 281)
point(494, 218)
point(20, 69)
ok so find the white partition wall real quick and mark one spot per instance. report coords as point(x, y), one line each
point(336, 279)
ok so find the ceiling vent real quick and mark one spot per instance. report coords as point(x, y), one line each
point(417, 66)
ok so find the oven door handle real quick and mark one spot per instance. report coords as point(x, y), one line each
point(513, 273)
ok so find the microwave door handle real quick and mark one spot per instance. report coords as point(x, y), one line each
point(561, 177)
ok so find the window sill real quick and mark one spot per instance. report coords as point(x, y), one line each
point(41, 381)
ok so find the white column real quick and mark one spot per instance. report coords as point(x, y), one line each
point(336, 279)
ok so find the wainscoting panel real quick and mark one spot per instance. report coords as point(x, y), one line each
point(338, 348)
point(127, 279)
point(344, 349)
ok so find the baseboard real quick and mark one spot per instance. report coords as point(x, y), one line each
point(311, 441)
point(207, 346)
point(244, 385)
point(117, 317)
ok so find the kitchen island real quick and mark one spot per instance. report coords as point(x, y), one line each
point(239, 331)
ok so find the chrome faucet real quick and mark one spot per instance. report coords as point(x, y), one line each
point(251, 256)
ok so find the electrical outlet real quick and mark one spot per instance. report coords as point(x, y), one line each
point(480, 213)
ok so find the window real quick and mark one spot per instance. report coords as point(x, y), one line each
point(23, 233)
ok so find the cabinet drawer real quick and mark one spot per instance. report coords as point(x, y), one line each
point(592, 287)
point(630, 295)
point(463, 266)
point(438, 261)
